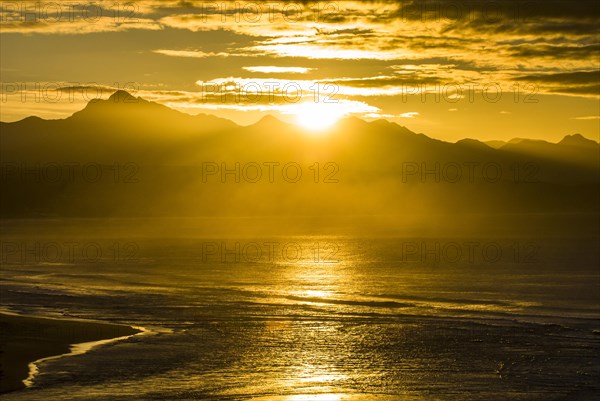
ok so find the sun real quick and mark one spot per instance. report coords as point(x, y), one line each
point(317, 116)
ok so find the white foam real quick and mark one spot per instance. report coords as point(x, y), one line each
point(78, 349)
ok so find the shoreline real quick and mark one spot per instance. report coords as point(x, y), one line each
point(29, 340)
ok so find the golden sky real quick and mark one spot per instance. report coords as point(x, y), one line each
point(450, 69)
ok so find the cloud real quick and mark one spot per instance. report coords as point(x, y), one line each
point(411, 80)
point(278, 70)
point(335, 88)
point(190, 53)
point(562, 51)
point(576, 78)
point(552, 44)
point(586, 118)
point(379, 115)
point(342, 108)
point(410, 114)
point(578, 83)
point(77, 27)
point(252, 87)
point(329, 50)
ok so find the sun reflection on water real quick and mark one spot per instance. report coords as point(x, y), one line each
point(313, 293)
point(315, 397)
point(320, 379)
point(312, 344)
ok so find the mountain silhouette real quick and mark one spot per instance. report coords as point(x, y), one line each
point(372, 167)
point(124, 108)
point(572, 149)
point(122, 96)
point(578, 140)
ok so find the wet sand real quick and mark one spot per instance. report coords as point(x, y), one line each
point(25, 339)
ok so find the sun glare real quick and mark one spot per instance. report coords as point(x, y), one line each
point(317, 116)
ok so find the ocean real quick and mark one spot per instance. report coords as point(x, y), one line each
point(312, 317)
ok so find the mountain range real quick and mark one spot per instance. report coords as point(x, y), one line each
point(125, 156)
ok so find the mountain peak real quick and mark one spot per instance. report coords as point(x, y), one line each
point(269, 117)
point(496, 144)
point(353, 120)
point(577, 140)
point(269, 120)
point(121, 96)
point(473, 143)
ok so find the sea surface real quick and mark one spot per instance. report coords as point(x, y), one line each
point(312, 317)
